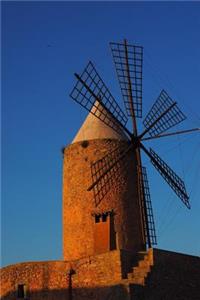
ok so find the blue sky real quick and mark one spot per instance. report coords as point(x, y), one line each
point(43, 44)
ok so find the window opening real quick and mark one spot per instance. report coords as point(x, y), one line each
point(104, 217)
point(97, 218)
point(21, 291)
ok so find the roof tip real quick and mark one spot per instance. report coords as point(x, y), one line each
point(94, 128)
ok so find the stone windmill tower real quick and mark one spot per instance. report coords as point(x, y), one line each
point(92, 225)
point(106, 198)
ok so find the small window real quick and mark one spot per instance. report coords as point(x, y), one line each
point(97, 218)
point(21, 291)
point(104, 217)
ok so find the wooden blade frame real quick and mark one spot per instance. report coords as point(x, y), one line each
point(152, 125)
point(172, 118)
point(128, 63)
point(171, 134)
point(150, 231)
point(128, 60)
point(91, 93)
point(174, 181)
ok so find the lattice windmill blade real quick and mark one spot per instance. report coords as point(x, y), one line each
point(173, 117)
point(91, 92)
point(174, 181)
point(105, 171)
point(147, 210)
point(128, 61)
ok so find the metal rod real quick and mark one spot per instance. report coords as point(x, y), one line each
point(171, 133)
point(103, 105)
point(158, 119)
point(130, 90)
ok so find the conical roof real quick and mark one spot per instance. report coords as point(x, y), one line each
point(93, 128)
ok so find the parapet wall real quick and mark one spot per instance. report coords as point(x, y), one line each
point(38, 277)
point(173, 276)
point(51, 279)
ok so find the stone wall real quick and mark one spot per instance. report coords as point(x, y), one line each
point(39, 277)
point(173, 276)
point(80, 205)
point(93, 277)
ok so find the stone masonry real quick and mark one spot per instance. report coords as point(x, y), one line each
point(157, 275)
point(79, 205)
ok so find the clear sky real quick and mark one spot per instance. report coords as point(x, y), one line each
point(43, 44)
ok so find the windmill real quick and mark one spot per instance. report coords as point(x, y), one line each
point(91, 93)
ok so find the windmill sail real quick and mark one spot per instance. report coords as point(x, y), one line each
point(149, 224)
point(90, 91)
point(172, 118)
point(128, 61)
point(174, 181)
